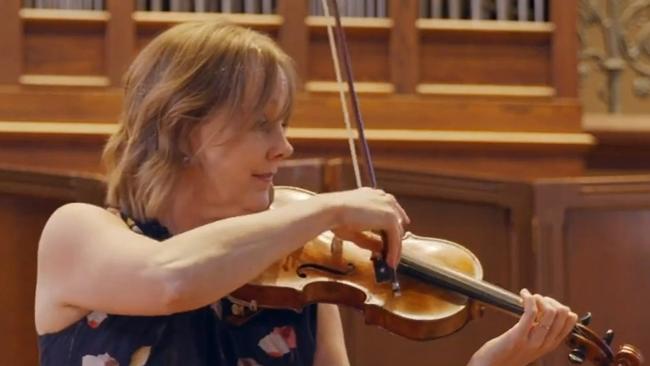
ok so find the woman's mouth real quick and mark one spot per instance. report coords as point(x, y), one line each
point(266, 177)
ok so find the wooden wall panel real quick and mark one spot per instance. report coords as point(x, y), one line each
point(79, 157)
point(71, 105)
point(592, 243)
point(607, 254)
point(478, 58)
point(27, 199)
point(68, 50)
point(21, 220)
point(451, 114)
point(323, 110)
point(369, 53)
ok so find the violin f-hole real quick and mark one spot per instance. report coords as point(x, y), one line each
point(300, 271)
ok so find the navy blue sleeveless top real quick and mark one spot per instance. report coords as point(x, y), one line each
point(221, 334)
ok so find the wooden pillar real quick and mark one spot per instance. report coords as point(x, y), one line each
point(11, 42)
point(120, 39)
point(404, 46)
point(294, 34)
point(564, 48)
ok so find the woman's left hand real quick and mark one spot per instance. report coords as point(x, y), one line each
point(543, 326)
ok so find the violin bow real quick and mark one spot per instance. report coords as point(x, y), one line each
point(383, 273)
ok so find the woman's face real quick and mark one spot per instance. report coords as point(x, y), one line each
point(232, 169)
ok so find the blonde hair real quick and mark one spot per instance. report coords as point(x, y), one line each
point(177, 82)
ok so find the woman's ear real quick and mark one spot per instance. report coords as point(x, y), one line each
point(185, 155)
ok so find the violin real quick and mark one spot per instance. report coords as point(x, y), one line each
point(441, 289)
point(435, 290)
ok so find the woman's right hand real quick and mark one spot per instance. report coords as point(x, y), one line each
point(362, 212)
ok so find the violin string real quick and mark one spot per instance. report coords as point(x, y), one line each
point(344, 106)
point(467, 285)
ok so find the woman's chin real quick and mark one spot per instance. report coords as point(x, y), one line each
point(258, 203)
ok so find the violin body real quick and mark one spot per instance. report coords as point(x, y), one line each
point(331, 271)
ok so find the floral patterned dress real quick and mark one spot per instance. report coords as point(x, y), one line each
point(221, 334)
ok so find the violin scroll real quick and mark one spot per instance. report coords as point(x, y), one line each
point(628, 355)
point(586, 345)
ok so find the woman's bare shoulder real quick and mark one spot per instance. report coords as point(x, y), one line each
point(80, 208)
point(73, 222)
point(72, 262)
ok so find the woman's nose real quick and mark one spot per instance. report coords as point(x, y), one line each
point(281, 149)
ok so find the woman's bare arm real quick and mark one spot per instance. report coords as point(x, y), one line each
point(88, 258)
point(330, 341)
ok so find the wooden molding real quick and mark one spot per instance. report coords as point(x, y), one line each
point(524, 91)
point(359, 86)
point(408, 139)
point(64, 17)
point(351, 22)
point(484, 26)
point(422, 139)
point(373, 27)
point(66, 80)
point(161, 19)
point(56, 128)
point(619, 128)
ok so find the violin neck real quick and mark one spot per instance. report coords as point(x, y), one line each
point(461, 283)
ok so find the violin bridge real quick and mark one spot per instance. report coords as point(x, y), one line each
point(336, 248)
point(383, 274)
point(382, 271)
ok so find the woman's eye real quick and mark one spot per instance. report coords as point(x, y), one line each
point(266, 125)
point(262, 123)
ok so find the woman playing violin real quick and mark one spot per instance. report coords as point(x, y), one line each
point(189, 171)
